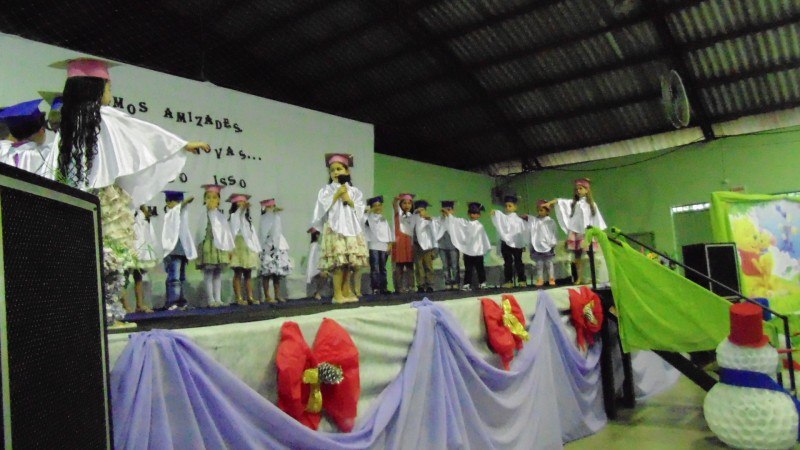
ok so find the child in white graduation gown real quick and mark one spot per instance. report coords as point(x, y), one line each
point(30, 150)
point(403, 248)
point(470, 238)
point(122, 159)
point(448, 253)
point(244, 257)
point(543, 240)
point(379, 233)
point(574, 216)
point(213, 253)
point(425, 245)
point(513, 234)
point(178, 246)
point(275, 261)
point(148, 252)
point(338, 214)
point(315, 277)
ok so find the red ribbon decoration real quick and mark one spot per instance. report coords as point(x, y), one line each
point(587, 315)
point(332, 345)
point(501, 340)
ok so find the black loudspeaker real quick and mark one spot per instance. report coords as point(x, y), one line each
point(53, 360)
point(717, 261)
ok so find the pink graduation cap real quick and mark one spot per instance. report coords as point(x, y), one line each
point(268, 202)
point(342, 158)
point(85, 67)
point(585, 182)
point(212, 187)
point(236, 198)
point(406, 196)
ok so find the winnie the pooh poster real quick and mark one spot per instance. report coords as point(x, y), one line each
point(766, 230)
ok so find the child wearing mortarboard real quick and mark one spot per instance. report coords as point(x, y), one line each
point(338, 214)
point(275, 261)
point(424, 245)
point(470, 238)
point(513, 234)
point(26, 123)
point(314, 276)
point(543, 240)
point(574, 216)
point(244, 257)
point(380, 236)
point(148, 252)
point(448, 253)
point(178, 246)
point(214, 251)
point(403, 248)
point(5, 138)
point(101, 149)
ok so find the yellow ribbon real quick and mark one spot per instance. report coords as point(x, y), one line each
point(511, 322)
point(311, 376)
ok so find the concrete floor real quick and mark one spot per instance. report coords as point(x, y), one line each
point(672, 420)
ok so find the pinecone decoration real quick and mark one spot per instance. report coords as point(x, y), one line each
point(330, 374)
point(588, 313)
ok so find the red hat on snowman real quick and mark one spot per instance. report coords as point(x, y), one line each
point(747, 327)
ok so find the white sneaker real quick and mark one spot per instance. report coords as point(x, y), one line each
point(483, 286)
point(466, 287)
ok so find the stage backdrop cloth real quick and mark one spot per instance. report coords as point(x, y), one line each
point(168, 393)
point(383, 335)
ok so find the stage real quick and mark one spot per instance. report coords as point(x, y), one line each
point(393, 335)
point(204, 316)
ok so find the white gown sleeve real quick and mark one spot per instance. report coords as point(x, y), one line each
point(405, 223)
point(563, 211)
point(504, 228)
point(321, 207)
point(597, 220)
point(359, 205)
point(277, 233)
point(138, 156)
point(221, 231)
point(171, 231)
point(189, 249)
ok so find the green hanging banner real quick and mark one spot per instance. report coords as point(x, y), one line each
point(658, 309)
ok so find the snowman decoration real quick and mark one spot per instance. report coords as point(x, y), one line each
point(748, 408)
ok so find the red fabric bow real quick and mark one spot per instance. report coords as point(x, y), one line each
point(501, 339)
point(332, 345)
point(587, 315)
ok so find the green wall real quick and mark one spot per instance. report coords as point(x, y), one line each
point(638, 197)
point(433, 183)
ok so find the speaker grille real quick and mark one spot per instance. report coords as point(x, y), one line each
point(55, 334)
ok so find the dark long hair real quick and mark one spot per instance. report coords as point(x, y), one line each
point(235, 207)
point(80, 125)
point(589, 200)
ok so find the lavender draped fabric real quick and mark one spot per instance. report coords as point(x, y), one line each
point(167, 393)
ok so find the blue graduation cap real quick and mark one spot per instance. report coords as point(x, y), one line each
point(448, 203)
point(373, 200)
point(511, 199)
point(23, 119)
point(173, 196)
point(475, 208)
point(421, 204)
